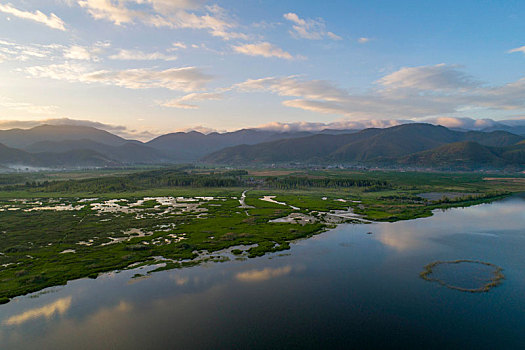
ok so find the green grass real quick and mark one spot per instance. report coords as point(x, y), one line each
point(32, 241)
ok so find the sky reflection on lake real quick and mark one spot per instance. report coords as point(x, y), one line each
point(343, 288)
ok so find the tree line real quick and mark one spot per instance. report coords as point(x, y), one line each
point(184, 178)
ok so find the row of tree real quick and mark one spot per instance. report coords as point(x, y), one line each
point(187, 178)
point(292, 182)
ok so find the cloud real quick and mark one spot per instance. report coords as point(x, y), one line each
point(47, 311)
point(264, 49)
point(186, 79)
point(309, 28)
point(343, 124)
point(437, 77)
point(202, 129)
point(264, 274)
point(178, 45)
point(52, 21)
point(293, 86)
point(409, 93)
point(108, 10)
point(183, 102)
point(518, 49)
point(26, 106)
point(349, 124)
point(165, 13)
point(50, 52)
point(363, 40)
point(77, 52)
point(120, 130)
point(26, 124)
point(10, 51)
point(471, 123)
point(135, 55)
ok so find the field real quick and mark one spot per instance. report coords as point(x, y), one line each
point(82, 225)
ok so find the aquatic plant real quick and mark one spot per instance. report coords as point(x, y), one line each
point(494, 279)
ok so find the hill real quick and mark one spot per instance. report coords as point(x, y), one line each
point(190, 146)
point(17, 159)
point(468, 155)
point(369, 146)
point(21, 138)
point(128, 152)
point(514, 129)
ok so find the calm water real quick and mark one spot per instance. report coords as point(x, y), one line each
point(341, 289)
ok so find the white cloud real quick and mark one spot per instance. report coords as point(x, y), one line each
point(184, 102)
point(343, 124)
point(292, 86)
point(165, 6)
point(135, 55)
point(178, 45)
point(108, 10)
point(462, 123)
point(10, 51)
point(264, 49)
point(348, 124)
point(363, 40)
point(416, 92)
point(518, 49)
point(187, 79)
point(25, 124)
point(202, 129)
point(437, 77)
point(165, 13)
point(309, 28)
point(77, 52)
point(50, 52)
point(52, 21)
point(28, 107)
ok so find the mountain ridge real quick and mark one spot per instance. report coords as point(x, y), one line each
point(397, 146)
point(369, 146)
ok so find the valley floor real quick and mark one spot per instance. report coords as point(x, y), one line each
point(69, 229)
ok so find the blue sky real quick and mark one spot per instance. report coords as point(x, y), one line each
point(144, 67)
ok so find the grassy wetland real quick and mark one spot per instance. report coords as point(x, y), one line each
point(56, 228)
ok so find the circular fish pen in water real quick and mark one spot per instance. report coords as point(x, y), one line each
point(464, 275)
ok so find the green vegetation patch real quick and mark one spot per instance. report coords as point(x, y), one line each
point(470, 276)
point(53, 231)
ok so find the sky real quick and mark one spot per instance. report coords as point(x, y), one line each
point(142, 68)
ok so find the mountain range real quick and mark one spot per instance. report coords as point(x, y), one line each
point(408, 145)
point(413, 145)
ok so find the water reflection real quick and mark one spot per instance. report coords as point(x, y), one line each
point(180, 280)
point(264, 274)
point(365, 293)
point(47, 311)
point(485, 220)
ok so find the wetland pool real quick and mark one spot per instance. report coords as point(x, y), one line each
point(344, 288)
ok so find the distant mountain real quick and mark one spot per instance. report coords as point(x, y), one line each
point(468, 155)
point(408, 145)
point(493, 138)
point(128, 152)
point(190, 146)
point(21, 138)
point(10, 155)
point(514, 129)
point(369, 146)
point(15, 158)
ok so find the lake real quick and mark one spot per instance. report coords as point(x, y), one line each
point(341, 289)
